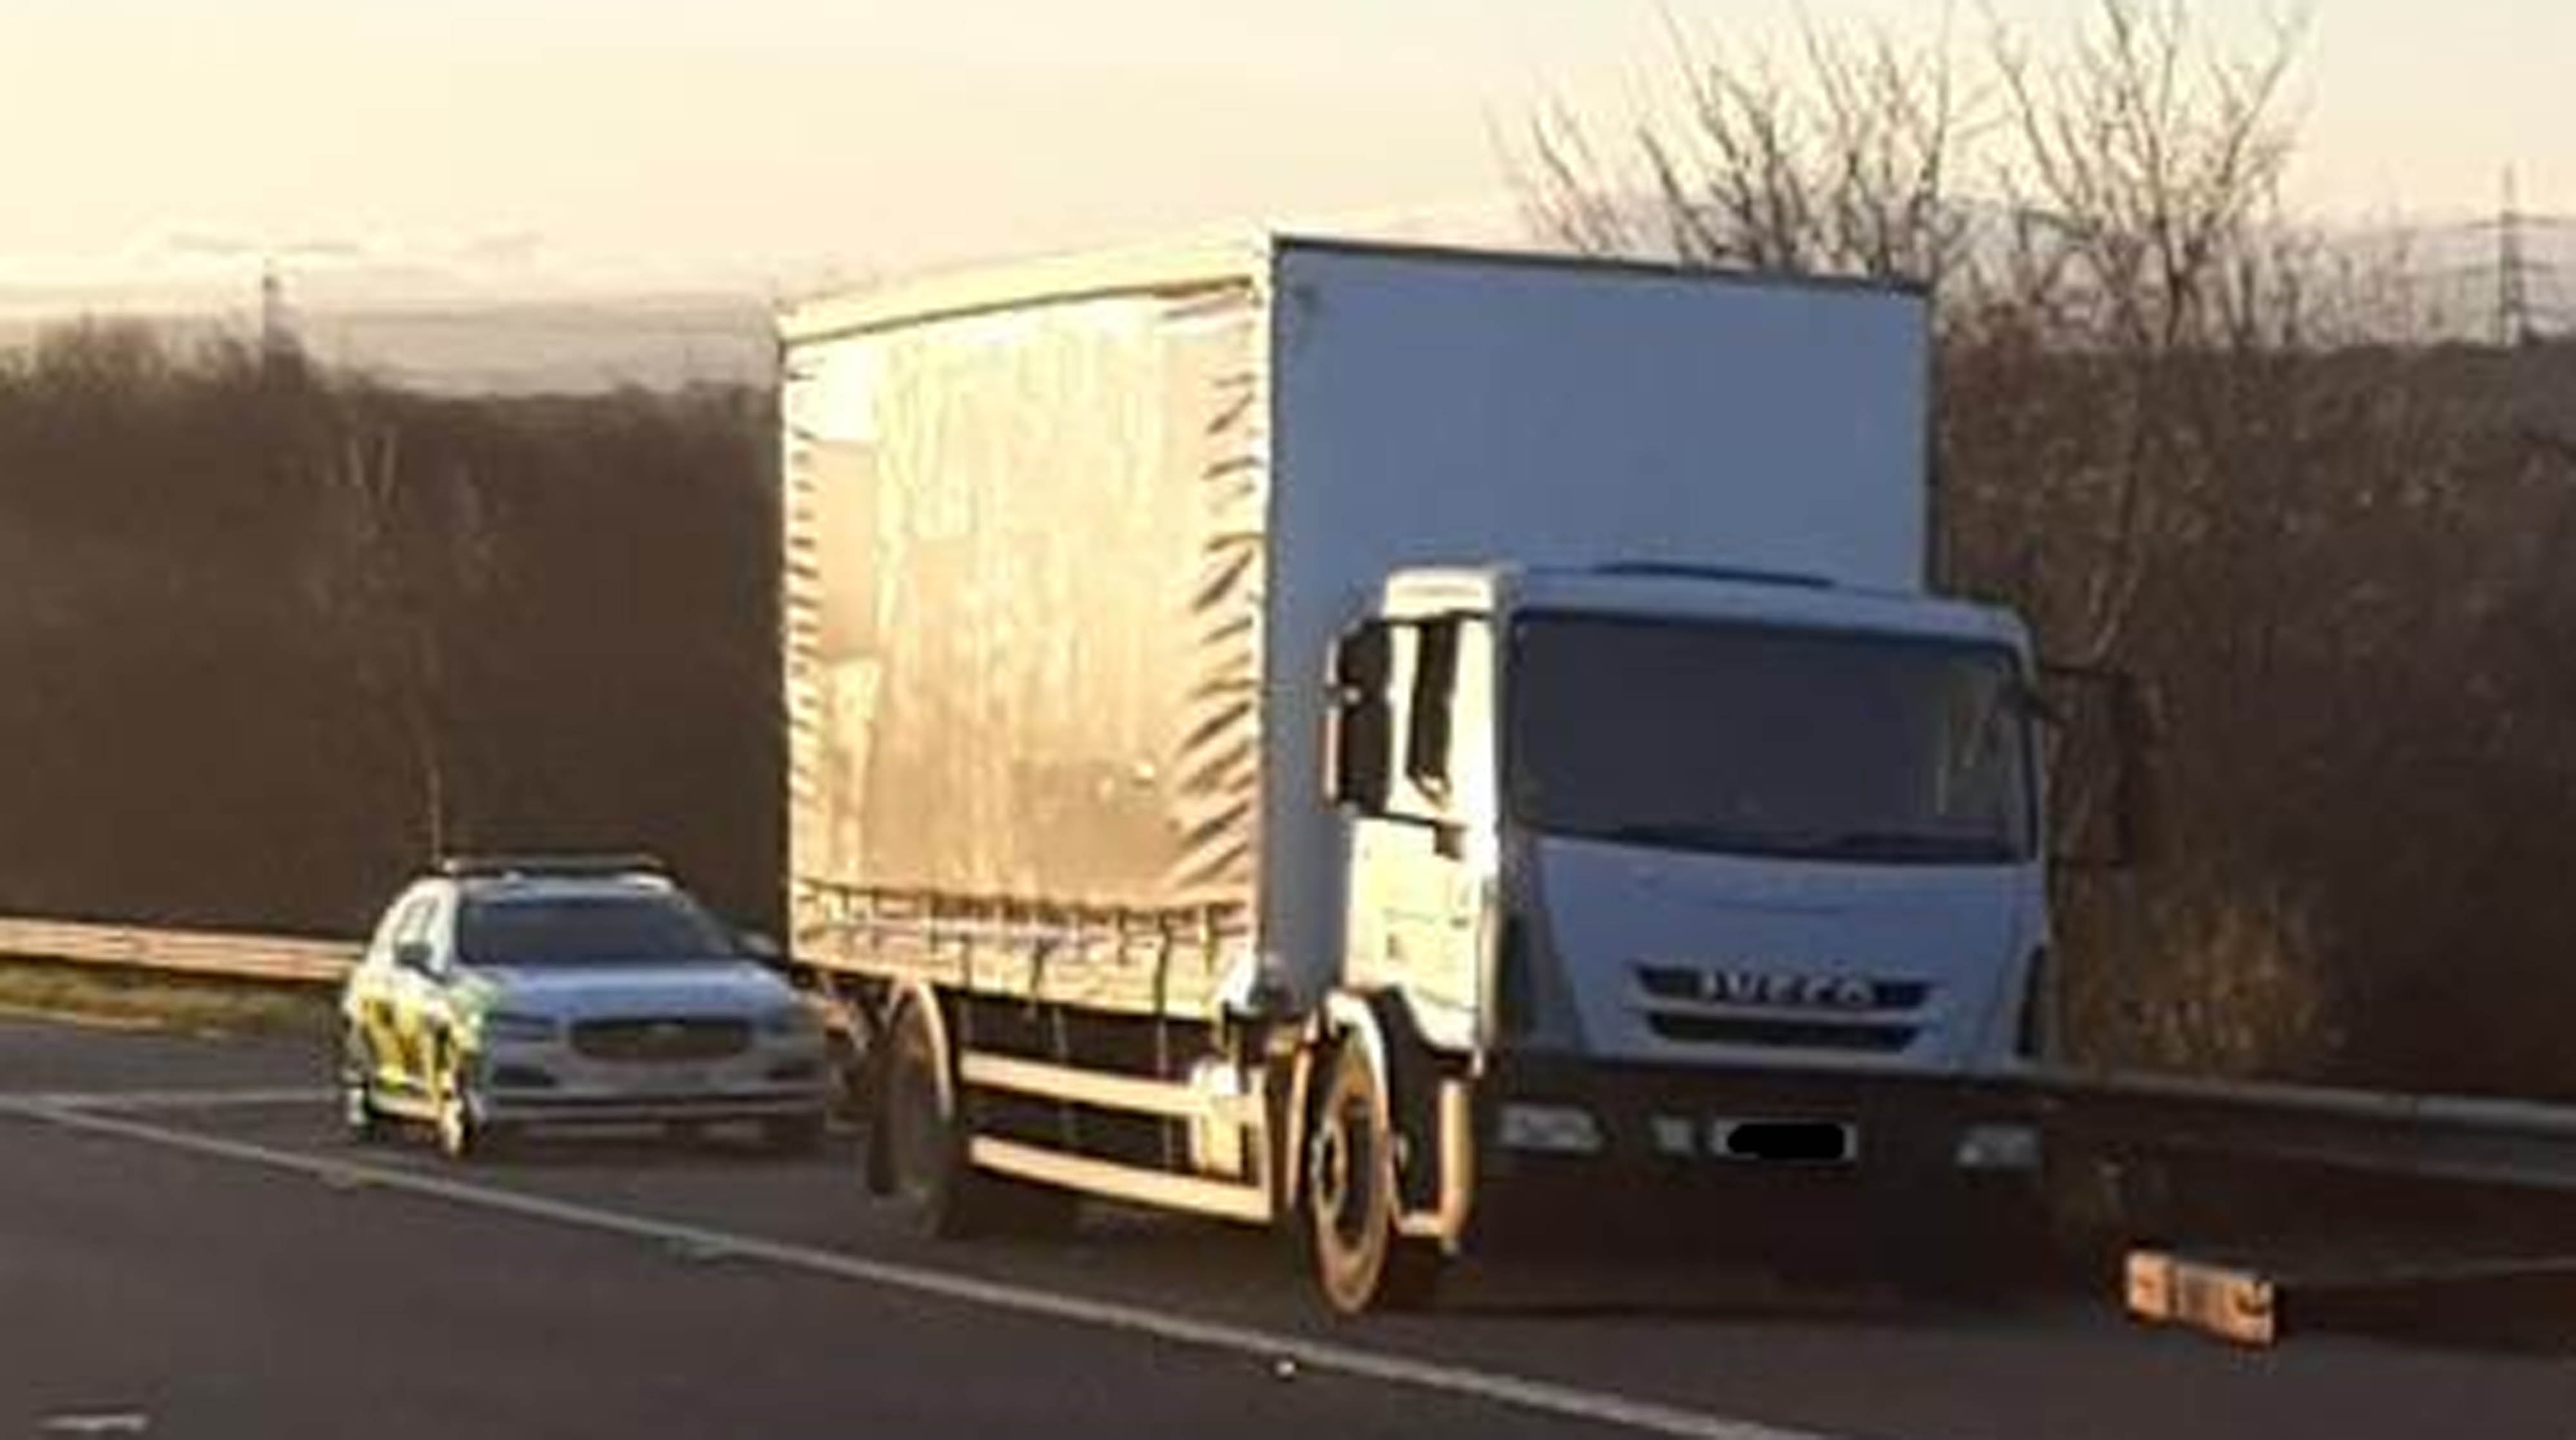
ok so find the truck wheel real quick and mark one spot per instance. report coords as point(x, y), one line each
point(1361, 1263)
point(923, 1149)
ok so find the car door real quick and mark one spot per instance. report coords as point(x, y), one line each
point(430, 1006)
point(368, 1004)
point(373, 993)
point(400, 1035)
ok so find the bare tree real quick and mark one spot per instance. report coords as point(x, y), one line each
point(2142, 173)
point(1844, 167)
point(396, 558)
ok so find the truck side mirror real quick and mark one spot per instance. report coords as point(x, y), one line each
point(1359, 738)
point(1364, 657)
point(2103, 728)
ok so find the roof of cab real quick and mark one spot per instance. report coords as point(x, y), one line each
point(1704, 593)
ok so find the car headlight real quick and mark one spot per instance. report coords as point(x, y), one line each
point(791, 1021)
point(511, 1028)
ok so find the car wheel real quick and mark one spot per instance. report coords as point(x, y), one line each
point(358, 1113)
point(1361, 1263)
point(463, 1133)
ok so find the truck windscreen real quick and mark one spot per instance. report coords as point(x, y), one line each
point(1768, 740)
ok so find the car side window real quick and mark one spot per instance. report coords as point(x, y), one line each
point(380, 947)
point(406, 922)
point(434, 931)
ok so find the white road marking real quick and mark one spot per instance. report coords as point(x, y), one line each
point(1271, 1347)
point(112, 1422)
point(147, 1100)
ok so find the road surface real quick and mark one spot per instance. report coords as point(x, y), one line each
point(189, 1247)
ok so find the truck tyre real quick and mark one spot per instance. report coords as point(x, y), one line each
point(1351, 1203)
point(923, 1150)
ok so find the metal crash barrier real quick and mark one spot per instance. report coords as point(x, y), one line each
point(229, 955)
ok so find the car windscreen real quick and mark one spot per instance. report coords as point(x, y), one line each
point(1770, 740)
point(579, 930)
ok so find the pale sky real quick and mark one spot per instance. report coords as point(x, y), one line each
point(772, 142)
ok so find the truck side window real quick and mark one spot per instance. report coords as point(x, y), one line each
point(1473, 772)
point(1403, 800)
point(1440, 694)
point(1428, 723)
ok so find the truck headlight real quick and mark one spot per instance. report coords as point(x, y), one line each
point(1999, 1146)
point(1550, 1129)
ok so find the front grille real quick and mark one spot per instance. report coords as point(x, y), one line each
point(1787, 1034)
point(1680, 983)
point(1858, 1015)
point(669, 1038)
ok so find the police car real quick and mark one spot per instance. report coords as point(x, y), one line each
point(503, 992)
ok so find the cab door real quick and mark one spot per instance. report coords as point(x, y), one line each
point(1423, 863)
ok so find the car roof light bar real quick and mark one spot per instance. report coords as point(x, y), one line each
point(463, 867)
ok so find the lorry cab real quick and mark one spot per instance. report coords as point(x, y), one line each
point(1633, 823)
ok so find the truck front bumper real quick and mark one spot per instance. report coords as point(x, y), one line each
point(1573, 1153)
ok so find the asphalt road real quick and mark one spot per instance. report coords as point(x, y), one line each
point(186, 1244)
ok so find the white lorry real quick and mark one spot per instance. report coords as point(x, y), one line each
point(1413, 745)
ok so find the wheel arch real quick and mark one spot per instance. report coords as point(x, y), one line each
point(1408, 1076)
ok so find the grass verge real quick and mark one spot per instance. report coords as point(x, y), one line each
point(151, 1000)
